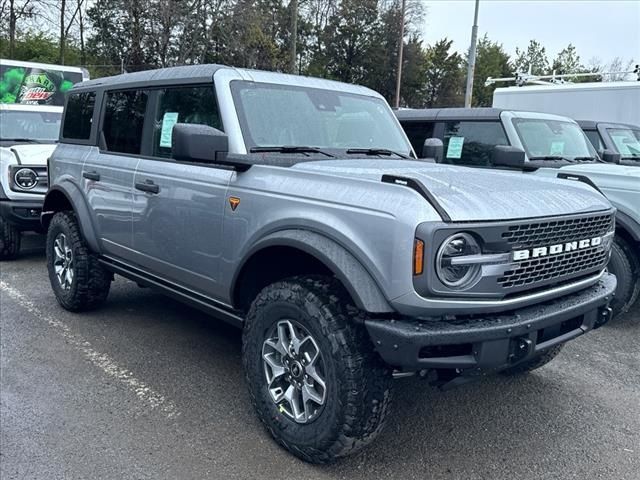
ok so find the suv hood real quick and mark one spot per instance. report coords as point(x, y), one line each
point(608, 175)
point(32, 154)
point(474, 194)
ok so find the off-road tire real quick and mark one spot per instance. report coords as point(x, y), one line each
point(624, 265)
point(9, 240)
point(359, 384)
point(534, 363)
point(91, 280)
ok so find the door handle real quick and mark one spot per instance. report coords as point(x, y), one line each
point(95, 176)
point(148, 186)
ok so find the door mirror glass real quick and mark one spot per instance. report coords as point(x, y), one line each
point(610, 156)
point(508, 156)
point(198, 143)
point(433, 148)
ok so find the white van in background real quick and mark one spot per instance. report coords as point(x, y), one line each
point(613, 102)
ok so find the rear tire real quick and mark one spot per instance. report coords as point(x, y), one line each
point(77, 278)
point(356, 385)
point(10, 238)
point(534, 363)
point(624, 265)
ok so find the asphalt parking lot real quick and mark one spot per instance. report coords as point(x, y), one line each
point(148, 388)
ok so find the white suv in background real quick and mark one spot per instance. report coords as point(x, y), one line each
point(28, 136)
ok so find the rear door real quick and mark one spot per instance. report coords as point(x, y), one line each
point(179, 206)
point(108, 172)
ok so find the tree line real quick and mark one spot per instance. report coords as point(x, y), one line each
point(354, 41)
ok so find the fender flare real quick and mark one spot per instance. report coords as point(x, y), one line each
point(628, 224)
point(76, 199)
point(362, 287)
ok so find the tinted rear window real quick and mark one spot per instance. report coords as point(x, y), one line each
point(123, 120)
point(78, 116)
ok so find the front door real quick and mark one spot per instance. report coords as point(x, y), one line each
point(178, 207)
point(108, 172)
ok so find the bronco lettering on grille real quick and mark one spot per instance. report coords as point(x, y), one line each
point(556, 249)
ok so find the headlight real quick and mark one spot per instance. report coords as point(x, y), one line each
point(458, 274)
point(26, 178)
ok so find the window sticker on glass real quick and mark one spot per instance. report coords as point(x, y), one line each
point(557, 148)
point(454, 150)
point(168, 121)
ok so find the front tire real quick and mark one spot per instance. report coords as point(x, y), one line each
point(314, 378)
point(77, 278)
point(10, 238)
point(623, 264)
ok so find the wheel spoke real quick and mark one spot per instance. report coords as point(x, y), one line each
point(276, 345)
point(277, 369)
point(292, 397)
point(313, 373)
point(309, 350)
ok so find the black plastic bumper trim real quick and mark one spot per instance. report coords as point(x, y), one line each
point(494, 342)
point(18, 213)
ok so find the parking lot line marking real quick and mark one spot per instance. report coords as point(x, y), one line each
point(152, 399)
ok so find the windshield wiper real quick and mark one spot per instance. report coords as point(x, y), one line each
point(549, 157)
point(26, 140)
point(289, 149)
point(588, 159)
point(375, 151)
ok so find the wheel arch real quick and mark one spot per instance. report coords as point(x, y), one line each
point(66, 196)
point(306, 252)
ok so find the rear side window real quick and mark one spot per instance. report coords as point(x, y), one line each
point(78, 115)
point(418, 132)
point(182, 105)
point(123, 120)
point(471, 143)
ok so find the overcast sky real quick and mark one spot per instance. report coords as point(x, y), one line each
point(598, 28)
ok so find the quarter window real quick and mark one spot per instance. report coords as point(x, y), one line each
point(78, 116)
point(182, 105)
point(123, 120)
point(471, 143)
point(594, 138)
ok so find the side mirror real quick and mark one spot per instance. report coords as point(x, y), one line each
point(433, 148)
point(198, 143)
point(508, 156)
point(610, 156)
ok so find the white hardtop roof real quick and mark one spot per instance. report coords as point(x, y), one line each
point(30, 108)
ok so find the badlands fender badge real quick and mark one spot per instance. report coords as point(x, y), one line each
point(234, 202)
point(539, 252)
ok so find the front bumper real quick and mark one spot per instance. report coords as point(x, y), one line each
point(473, 346)
point(24, 214)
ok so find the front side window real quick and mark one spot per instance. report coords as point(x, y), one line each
point(418, 132)
point(626, 142)
point(274, 115)
point(29, 126)
point(78, 115)
point(123, 120)
point(182, 105)
point(471, 143)
point(553, 139)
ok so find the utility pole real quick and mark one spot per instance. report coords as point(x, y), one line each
point(472, 58)
point(396, 103)
point(294, 36)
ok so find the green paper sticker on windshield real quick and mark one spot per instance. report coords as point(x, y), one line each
point(168, 121)
point(557, 148)
point(454, 150)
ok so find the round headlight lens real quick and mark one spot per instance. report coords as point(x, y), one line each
point(26, 178)
point(454, 274)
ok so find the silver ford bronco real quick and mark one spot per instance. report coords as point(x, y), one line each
point(296, 209)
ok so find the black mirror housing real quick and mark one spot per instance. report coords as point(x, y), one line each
point(433, 148)
point(508, 156)
point(198, 143)
point(610, 156)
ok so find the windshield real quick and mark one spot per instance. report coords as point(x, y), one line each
point(274, 115)
point(25, 126)
point(626, 142)
point(553, 138)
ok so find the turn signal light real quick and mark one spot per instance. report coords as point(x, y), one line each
point(418, 257)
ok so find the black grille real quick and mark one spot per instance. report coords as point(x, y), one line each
point(554, 267)
point(558, 231)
